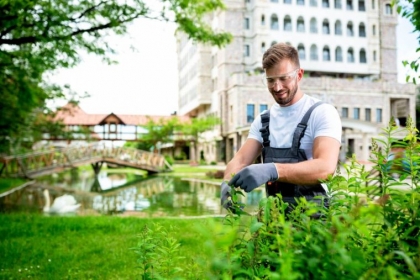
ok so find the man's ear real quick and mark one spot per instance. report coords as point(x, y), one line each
point(300, 74)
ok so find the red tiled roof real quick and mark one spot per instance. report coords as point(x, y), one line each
point(72, 114)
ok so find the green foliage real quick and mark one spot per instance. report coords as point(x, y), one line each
point(141, 145)
point(370, 231)
point(199, 125)
point(410, 9)
point(195, 127)
point(38, 37)
point(157, 254)
point(169, 159)
point(218, 174)
point(160, 131)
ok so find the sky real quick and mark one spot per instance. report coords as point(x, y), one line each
point(145, 81)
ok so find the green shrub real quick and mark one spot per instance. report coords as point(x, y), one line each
point(370, 231)
point(169, 159)
point(218, 174)
point(180, 156)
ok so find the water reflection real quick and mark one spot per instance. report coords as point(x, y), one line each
point(159, 196)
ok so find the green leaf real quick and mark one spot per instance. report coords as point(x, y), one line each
point(255, 226)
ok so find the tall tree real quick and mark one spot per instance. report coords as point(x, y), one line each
point(39, 36)
point(159, 132)
point(195, 128)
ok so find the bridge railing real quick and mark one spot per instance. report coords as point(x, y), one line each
point(137, 157)
point(55, 160)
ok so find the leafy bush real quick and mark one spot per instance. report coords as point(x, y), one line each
point(218, 174)
point(180, 156)
point(169, 159)
point(158, 255)
point(370, 231)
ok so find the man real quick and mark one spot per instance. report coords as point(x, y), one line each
point(296, 156)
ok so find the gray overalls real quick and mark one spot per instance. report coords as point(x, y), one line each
point(290, 155)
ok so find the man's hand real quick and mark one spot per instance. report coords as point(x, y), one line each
point(225, 195)
point(254, 175)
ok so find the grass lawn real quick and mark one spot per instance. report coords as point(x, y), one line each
point(40, 247)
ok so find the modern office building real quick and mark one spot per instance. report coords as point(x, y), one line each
point(347, 49)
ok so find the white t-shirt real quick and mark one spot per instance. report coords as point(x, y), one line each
point(324, 121)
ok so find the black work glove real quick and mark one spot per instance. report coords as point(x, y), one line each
point(225, 195)
point(254, 176)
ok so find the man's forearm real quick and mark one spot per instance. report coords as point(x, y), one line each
point(231, 169)
point(305, 173)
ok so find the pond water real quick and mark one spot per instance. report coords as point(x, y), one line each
point(116, 193)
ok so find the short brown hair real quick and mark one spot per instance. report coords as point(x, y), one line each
point(279, 52)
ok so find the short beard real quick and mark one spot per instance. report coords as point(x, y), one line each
point(291, 94)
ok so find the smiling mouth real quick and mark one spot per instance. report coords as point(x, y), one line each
point(280, 93)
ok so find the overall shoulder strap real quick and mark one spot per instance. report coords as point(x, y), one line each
point(265, 131)
point(300, 129)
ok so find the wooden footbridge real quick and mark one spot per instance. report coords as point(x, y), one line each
point(38, 164)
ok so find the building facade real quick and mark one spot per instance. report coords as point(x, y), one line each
point(346, 47)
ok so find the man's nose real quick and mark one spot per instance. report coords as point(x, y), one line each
point(277, 86)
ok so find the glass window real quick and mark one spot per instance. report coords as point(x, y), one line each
point(362, 30)
point(250, 112)
point(300, 25)
point(356, 113)
point(374, 55)
point(337, 28)
point(349, 4)
point(263, 47)
point(314, 52)
point(326, 54)
point(388, 9)
point(247, 50)
point(362, 7)
point(350, 29)
point(313, 27)
point(287, 1)
point(362, 56)
point(338, 54)
point(373, 29)
point(274, 24)
point(246, 23)
point(325, 27)
point(378, 115)
point(313, 3)
point(262, 19)
point(325, 3)
point(263, 107)
point(274, 1)
point(350, 55)
point(344, 112)
point(368, 114)
point(373, 4)
point(301, 52)
point(337, 4)
point(112, 127)
point(300, 2)
point(287, 24)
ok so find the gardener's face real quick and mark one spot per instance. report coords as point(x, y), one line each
point(282, 81)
